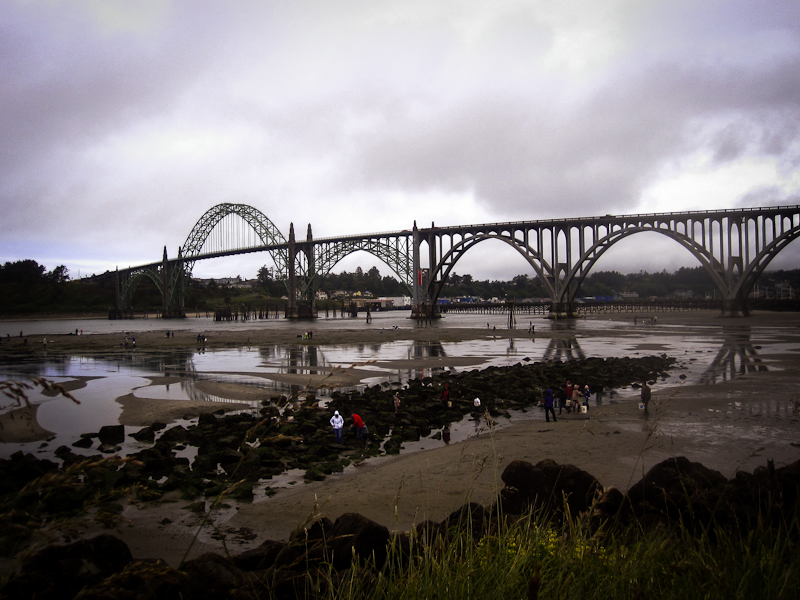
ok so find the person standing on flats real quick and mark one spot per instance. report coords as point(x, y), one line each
point(337, 422)
point(576, 399)
point(561, 394)
point(548, 405)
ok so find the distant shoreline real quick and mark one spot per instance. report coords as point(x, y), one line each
point(52, 316)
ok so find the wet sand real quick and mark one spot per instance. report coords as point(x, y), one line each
point(259, 333)
point(616, 443)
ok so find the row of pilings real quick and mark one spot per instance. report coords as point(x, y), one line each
point(585, 307)
point(243, 312)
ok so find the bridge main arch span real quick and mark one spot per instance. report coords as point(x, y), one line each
point(214, 234)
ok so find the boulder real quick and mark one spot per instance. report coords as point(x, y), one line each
point(146, 434)
point(545, 486)
point(143, 579)
point(214, 576)
point(85, 441)
point(353, 534)
point(471, 517)
point(58, 572)
point(175, 434)
point(269, 554)
point(318, 530)
point(111, 434)
point(22, 469)
point(787, 480)
point(676, 490)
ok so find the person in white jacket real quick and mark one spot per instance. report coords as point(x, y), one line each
point(337, 422)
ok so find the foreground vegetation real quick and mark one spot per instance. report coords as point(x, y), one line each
point(532, 558)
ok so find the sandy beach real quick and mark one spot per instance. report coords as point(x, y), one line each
point(733, 425)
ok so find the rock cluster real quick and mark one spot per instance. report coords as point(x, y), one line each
point(257, 447)
point(672, 492)
point(675, 491)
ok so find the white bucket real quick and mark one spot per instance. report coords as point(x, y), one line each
point(584, 409)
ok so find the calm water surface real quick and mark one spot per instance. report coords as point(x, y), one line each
point(706, 355)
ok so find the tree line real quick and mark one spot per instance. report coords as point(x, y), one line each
point(29, 272)
point(686, 281)
point(28, 287)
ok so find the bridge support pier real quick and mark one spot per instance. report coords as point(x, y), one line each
point(562, 310)
point(425, 311)
point(734, 307)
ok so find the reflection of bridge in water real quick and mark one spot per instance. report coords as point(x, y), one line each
point(565, 345)
point(737, 356)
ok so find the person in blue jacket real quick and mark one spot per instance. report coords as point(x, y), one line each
point(548, 405)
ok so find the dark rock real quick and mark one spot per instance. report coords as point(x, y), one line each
point(269, 554)
point(427, 531)
point(146, 434)
point(22, 469)
point(144, 579)
point(111, 434)
point(545, 486)
point(744, 498)
point(352, 534)
point(787, 480)
point(207, 419)
point(156, 462)
point(58, 572)
point(607, 509)
point(175, 434)
point(471, 517)
point(676, 490)
point(318, 530)
point(214, 576)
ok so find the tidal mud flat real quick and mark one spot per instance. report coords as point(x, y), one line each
point(737, 423)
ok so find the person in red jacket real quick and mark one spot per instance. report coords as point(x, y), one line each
point(359, 427)
point(446, 395)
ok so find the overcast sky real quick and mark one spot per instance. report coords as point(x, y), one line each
point(122, 122)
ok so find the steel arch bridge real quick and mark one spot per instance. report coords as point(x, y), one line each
point(734, 246)
point(216, 233)
point(301, 265)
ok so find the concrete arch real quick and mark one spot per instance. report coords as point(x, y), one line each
point(733, 274)
point(581, 269)
point(459, 249)
point(756, 267)
point(133, 282)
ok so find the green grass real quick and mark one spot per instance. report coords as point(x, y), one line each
point(570, 562)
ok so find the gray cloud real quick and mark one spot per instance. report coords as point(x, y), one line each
point(118, 135)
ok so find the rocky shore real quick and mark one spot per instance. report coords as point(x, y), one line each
point(675, 493)
point(171, 515)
